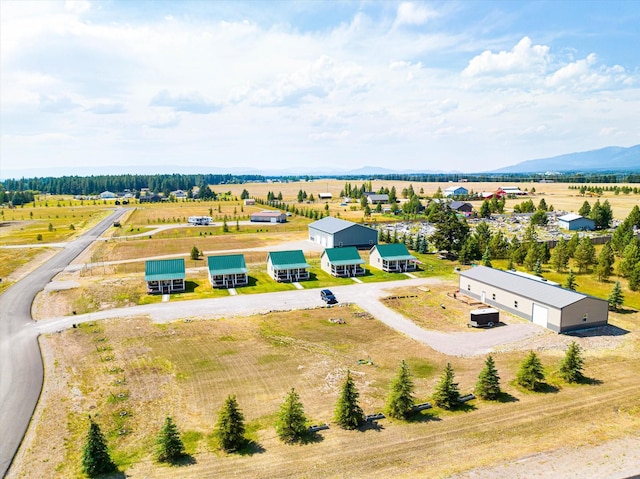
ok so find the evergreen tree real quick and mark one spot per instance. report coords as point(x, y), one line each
point(634, 278)
point(169, 446)
point(348, 413)
point(291, 424)
point(570, 283)
point(400, 401)
point(604, 268)
point(616, 298)
point(560, 256)
point(585, 209)
point(488, 385)
point(485, 210)
point(195, 253)
point(571, 366)
point(585, 254)
point(447, 395)
point(572, 244)
point(531, 373)
point(486, 258)
point(630, 257)
point(95, 455)
point(230, 427)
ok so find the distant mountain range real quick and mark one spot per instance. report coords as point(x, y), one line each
point(605, 159)
point(611, 158)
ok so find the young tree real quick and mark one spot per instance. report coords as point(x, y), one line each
point(616, 298)
point(606, 258)
point(169, 446)
point(560, 256)
point(488, 385)
point(485, 210)
point(400, 401)
point(585, 209)
point(486, 258)
point(585, 254)
point(570, 283)
point(291, 425)
point(447, 395)
point(531, 373)
point(95, 455)
point(195, 253)
point(348, 413)
point(571, 366)
point(230, 427)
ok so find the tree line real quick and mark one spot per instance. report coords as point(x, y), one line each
point(291, 423)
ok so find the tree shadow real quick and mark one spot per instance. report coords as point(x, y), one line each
point(190, 286)
point(249, 448)
point(251, 281)
point(370, 426)
point(423, 416)
point(113, 475)
point(547, 388)
point(310, 438)
point(504, 397)
point(464, 407)
point(623, 311)
point(184, 460)
point(584, 380)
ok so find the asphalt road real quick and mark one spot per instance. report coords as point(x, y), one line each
point(21, 370)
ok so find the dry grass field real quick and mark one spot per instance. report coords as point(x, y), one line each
point(130, 374)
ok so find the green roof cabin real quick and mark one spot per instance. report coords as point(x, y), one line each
point(287, 266)
point(227, 271)
point(342, 262)
point(392, 258)
point(164, 276)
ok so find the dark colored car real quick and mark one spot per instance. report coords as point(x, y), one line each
point(328, 297)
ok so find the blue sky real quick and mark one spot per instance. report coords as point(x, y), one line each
point(468, 86)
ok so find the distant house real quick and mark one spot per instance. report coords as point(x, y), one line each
point(512, 190)
point(336, 233)
point(325, 196)
point(178, 194)
point(249, 201)
point(105, 195)
point(461, 206)
point(456, 191)
point(227, 271)
point(287, 266)
point(342, 262)
point(150, 199)
point(165, 276)
point(375, 198)
point(269, 216)
point(392, 258)
point(574, 222)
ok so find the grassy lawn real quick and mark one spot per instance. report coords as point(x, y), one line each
point(11, 260)
point(130, 374)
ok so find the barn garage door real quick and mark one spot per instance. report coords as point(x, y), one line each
point(539, 315)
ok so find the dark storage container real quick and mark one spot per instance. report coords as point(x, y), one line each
point(488, 317)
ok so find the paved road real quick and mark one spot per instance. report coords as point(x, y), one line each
point(21, 371)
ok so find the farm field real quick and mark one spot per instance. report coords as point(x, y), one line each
point(186, 369)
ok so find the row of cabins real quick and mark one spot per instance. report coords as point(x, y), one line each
point(229, 271)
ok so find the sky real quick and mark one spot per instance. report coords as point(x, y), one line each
point(421, 86)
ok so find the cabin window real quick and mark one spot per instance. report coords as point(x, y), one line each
point(515, 304)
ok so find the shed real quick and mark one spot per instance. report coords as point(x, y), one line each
point(287, 265)
point(165, 275)
point(574, 222)
point(549, 306)
point(269, 216)
point(249, 201)
point(107, 195)
point(336, 233)
point(227, 271)
point(375, 198)
point(392, 258)
point(342, 262)
point(325, 196)
point(456, 191)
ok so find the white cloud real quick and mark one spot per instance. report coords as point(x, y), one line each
point(192, 102)
point(60, 104)
point(410, 13)
point(523, 57)
point(77, 6)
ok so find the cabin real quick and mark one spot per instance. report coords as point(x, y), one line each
point(392, 258)
point(287, 266)
point(342, 262)
point(165, 276)
point(227, 271)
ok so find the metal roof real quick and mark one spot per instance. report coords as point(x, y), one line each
point(394, 252)
point(268, 213)
point(539, 291)
point(226, 264)
point(164, 269)
point(333, 225)
point(571, 217)
point(288, 259)
point(343, 256)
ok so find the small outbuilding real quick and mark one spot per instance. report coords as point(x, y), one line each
point(286, 266)
point(575, 222)
point(249, 201)
point(165, 276)
point(392, 258)
point(342, 262)
point(336, 233)
point(227, 271)
point(547, 305)
point(456, 191)
point(488, 317)
point(375, 198)
point(325, 196)
point(461, 206)
point(269, 216)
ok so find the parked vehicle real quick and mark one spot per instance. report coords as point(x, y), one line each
point(485, 317)
point(328, 297)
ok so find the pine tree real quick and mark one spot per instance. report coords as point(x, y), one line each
point(400, 401)
point(291, 423)
point(230, 427)
point(488, 385)
point(348, 413)
point(195, 253)
point(486, 258)
point(95, 455)
point(585, 254)
point(570, 283)
point(616, 298)
point(604, 268)
point(571, 366)
point(169, 446)
point(447, 395)
point(531, 373)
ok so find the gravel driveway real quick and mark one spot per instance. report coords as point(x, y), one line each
point(365, 295)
